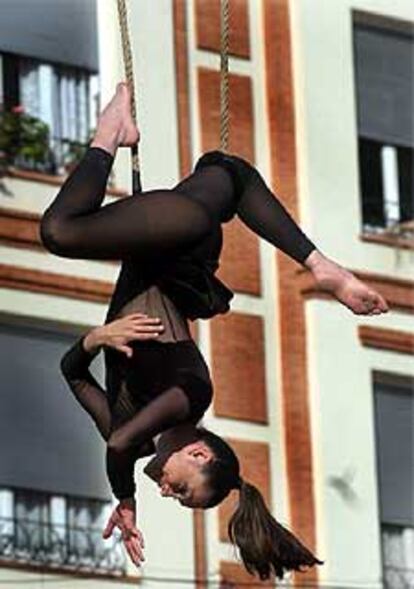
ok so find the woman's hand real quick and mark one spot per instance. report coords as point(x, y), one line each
point(120, 332)
point(123, 518)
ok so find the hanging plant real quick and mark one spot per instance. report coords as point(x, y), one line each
point(24, 140)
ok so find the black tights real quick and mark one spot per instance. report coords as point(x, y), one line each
point(163, 221)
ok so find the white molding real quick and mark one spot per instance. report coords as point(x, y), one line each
point(211, 60)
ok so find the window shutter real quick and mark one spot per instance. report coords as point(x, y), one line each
point(384, 64)
point(394, 413)
point(47, 441)
point(60, 31)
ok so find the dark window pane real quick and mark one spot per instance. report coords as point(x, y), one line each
point(406, 182)
point(64, 31)
point(370, 177)
point(394, 424)
point(11, 95)
point(384, 84)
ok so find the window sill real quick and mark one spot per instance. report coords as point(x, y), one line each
point(50, 179)
point(388, 240)
point(63, 572)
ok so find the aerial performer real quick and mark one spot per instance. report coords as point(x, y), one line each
point(158, 385)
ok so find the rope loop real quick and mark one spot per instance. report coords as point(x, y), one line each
point(129, 74)
point(224, 74)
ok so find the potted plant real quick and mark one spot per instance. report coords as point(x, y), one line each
point(24, 141)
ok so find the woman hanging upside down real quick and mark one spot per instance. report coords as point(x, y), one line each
point(157, 383)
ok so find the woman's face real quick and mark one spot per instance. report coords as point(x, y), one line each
point(180, 475)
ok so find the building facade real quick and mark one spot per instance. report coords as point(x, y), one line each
point(318, 403)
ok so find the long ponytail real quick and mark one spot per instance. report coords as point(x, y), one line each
point(265, 546)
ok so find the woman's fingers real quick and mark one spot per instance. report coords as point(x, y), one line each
point(138, 534)
point(151, 321)
point(134, 544)
point(134, 551)
point(148, 328)
point(109, 528)
point(125, 350)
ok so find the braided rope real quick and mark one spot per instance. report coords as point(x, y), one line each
point(224, 74)
point(129, 74)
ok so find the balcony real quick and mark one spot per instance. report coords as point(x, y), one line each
point(57, 547)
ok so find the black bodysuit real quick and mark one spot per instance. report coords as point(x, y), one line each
point(169, 240)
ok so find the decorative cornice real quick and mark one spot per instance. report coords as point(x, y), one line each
point(52, 180)
point(20, 228)
point(392, 340)
point(183, 94)
point(18, 278)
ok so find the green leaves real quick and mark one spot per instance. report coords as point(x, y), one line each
point(23, 137)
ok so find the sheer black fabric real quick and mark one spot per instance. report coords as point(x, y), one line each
point(259, 208)
point(171, 238)
point(162, 385)
point(164, 222)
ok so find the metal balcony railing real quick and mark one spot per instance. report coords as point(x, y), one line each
point(79, 549)
point(398, 578)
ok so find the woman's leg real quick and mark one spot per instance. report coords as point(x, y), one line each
point(263, 212)
point(75, 225)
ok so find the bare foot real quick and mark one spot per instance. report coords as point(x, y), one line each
point(344, 286)
point(116, 127)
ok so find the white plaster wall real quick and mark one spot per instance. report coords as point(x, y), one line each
point(339, 369)
point(342, 418)
point(327, 130)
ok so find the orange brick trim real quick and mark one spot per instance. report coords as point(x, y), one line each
point(200, 548)
point(386, 339)
point(238, 362)
point(182, 74)
point(20, 229)
point(295, 389)
point(235, 576)
point(398, 292)
point(208, 26)
point(52, 180)
point(255, 468)
point(241, 138)
point(240, 259)
point(72, 287)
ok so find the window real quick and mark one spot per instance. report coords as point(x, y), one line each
point(48, 65)
point(384, 72)
point(63, 97)
point(394, 425)
point(42, 529)
point(54, 497)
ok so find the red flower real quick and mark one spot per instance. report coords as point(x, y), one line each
point(18, 109)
